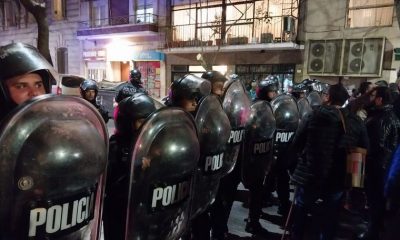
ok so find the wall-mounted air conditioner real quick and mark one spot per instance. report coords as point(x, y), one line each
point(358, 57)
point(324, 56)
point(363, 56)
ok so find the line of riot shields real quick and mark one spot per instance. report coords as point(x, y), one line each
point(54, 158)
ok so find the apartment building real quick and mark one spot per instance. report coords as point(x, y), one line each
point(291, 39)
point(353, 39)
point(249, 38)
point(100, 39)
point(17, 25)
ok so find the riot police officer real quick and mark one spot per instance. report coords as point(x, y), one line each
point(25, 74)
point(217, 82)
point(132, 112)
point(187, 91)
point(267, 88)
point(278, 176)
point(299, 90)
point(258, 149)
point(43, 173)
point(89, 91)
point(134, 86)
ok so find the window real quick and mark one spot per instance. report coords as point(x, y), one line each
point(59, 9)
point(10, 14)
point(369, 13)
point(255, 21)
point(144, 12)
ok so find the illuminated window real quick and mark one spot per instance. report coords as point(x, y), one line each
point(369, 13)
point(144, 12)
point(59, 9)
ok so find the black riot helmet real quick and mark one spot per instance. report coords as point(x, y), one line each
point(217, 81)
point(131, 109)
point(269, 84)
point(18, 59)
point(189, 87)
point(299, 90)
point(86, 85)
point(135, 77)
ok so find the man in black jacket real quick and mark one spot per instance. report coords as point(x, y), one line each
point(383, 128)
point(321, 171)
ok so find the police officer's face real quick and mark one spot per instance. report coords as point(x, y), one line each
point(90, 95)
point(25, 87)
point(218, 88)
point(138, 123)
point(189, 104)
point(271, 95)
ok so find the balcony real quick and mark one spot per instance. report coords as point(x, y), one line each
point(244, 33)
point(135, 25)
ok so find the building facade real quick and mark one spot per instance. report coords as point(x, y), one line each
point(353, 39)
point(252, 39)
point(292, 39)
point(17, 25)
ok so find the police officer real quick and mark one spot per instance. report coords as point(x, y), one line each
point(24, 74)
point(134, 86)
point(267, 89)
point(217, 82)
point(50, 156)
point(299, 90)
point(187, 91)
point(132, 112)
point(89, 91)
point(201, 224)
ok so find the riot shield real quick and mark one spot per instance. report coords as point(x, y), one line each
point(314, 99)
point(213, 133)
point(236, 105)
point(53, 160)
point(258, 144)
point(304, 107)
point(287, 119)
point(163, 162)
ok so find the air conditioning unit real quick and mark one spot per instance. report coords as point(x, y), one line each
point(324, 57)
point(363, 56)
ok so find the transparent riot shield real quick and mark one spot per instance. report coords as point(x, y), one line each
point(314, 98)
point(53, 161)
point(213, 133)
point(260, 131)
point(304, 107)
point(163, 163)
point(236, 105)
point(287, 119)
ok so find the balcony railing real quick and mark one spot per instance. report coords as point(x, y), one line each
point(120, 20)
point(243, 31)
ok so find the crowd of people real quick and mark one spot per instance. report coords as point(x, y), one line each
point(307, 138)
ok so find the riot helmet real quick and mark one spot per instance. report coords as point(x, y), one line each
point(86, 88)
point(188, 90)
point(132, 111)
point(217, 81)
point(22, 62)
point(267, 86)
point(135, 77)
point(299, 90)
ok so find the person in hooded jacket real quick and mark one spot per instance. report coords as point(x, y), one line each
point(321, 171)
point(89, 91)
point(132, 113)
point(24, 74)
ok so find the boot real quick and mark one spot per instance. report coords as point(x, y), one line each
point(254, 227)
